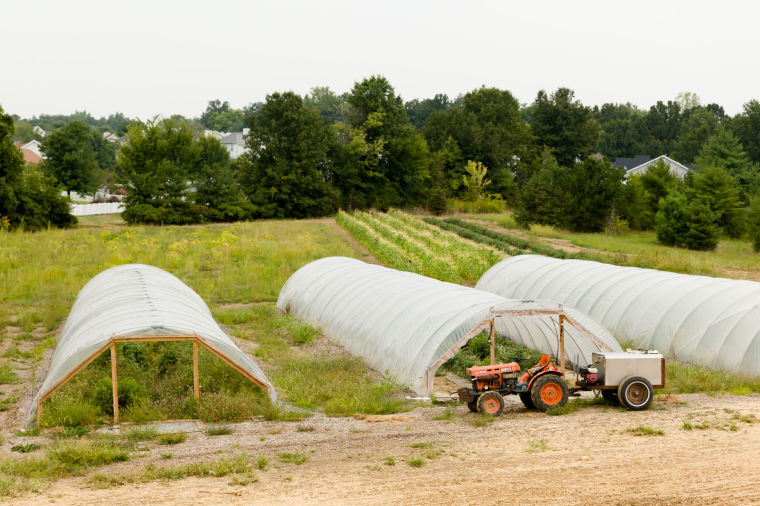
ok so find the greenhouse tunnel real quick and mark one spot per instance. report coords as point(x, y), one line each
point(702, 320)
point(138, 303)
point(406, 325)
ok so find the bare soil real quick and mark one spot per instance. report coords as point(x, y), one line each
point(587, 457)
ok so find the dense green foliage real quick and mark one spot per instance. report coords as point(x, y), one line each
point(28, 199)
point(287, 172)
point(71, 157)
point(683, 223)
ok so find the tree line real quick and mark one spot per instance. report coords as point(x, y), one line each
point(548, 160)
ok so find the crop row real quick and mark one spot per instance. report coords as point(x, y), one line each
point(505, 242)
point(407, 243)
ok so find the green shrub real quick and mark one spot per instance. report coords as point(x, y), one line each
point(682, 223)
point(69, 411)
point(174, 438)
point(129, 390)
point(490, 204)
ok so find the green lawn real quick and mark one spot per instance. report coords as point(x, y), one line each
point(733, 258)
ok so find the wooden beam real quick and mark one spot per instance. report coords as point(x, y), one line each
point(235, 366)
point(114, 385)
point(196, 387)
point(157, 338)
point(39, 413)
point(493, 347)
point(562, 343)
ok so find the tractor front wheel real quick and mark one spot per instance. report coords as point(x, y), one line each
point(490, 403)
point(548, 392)
point(525, 398)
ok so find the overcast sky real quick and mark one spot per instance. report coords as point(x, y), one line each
point(144, 58)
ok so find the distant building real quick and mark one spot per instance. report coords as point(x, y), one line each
point(39, 131)
point(235, 143)
point(639, 164)
point(113, 138)
point(213, 133)
point(31, 151)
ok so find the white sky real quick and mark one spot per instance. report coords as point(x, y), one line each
point(144, 58)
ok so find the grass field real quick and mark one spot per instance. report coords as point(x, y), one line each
point(239, 269)
point(732, 258)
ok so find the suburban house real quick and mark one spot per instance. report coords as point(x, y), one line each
point(213, 133)
point(31, 151)
point(235, 143)
point(113, 138)
point(639, 164)
point(39, 131)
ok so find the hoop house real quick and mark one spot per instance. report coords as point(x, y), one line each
point(407, 325)
point(698, 319)
point(138, 303)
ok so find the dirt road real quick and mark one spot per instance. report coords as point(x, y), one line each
point(597, 455)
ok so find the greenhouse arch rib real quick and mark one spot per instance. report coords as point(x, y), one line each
point(407, 325)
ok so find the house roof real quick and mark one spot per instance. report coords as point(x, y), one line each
point(631, 163)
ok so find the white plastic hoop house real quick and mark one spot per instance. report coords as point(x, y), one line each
point(698, 319)
point(406, 325)
point(137, 303)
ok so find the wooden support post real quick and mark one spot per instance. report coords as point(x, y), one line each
point(115, 385)
point(196, 387)
point(562, 343)
point(39, 413)
point(493, 350)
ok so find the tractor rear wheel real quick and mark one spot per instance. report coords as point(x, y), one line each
point(611, 396)
point(490, 403)
point(548, 392)
point(525, 398)
point(635, 393)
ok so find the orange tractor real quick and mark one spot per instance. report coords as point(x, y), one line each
point(542, 386)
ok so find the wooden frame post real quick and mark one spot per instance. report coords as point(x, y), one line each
point(196, 386)
point(493, 347)
point(115, 385)
point(562, 343)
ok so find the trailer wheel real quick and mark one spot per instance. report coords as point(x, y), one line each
point(636, 393)
point(473, 406)
point(611, 396)
point(490, 403)
point(549, 391)
point(525, 398)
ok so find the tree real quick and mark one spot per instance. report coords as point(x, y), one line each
point(746, 126)
point(565, 125)
point(634, 204)
point(419, 110)
point(327, 103)
point(287, 171)
point(221, 117)
point(683, 223)
point(217, 189)
point(401, 158)
point(28, 199)
point(698, 125)
point(753, 222)
point(720, 192)
point(475, 181)
point(156, 164)
point(661, 127)
point(592, 187)
point(542, 197)
point(621, 129)
point(723, 150)
point(71, 157)
point(487, 127)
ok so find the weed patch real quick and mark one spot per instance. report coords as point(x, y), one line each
point(297, 458)
point(174, 438)
point(643, 430)
point(219, 430)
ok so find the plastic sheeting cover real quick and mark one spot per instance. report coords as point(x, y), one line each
point(135, 300)
point(698, 319)
point(406, 325)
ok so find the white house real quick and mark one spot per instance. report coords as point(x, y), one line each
point(235, 143)
point(641, 163)
point(39, 131)
point(33, 146)
point(213, 133)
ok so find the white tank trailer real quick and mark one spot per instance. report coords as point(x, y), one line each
point(628, 377)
